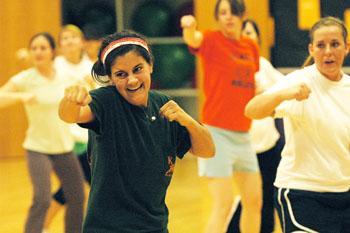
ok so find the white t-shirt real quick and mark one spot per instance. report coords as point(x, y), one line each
point(263, 132)
point(46, 132)
point(316, 156)
point(78, 72)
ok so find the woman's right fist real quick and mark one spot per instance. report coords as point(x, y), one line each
point(188, 21)
point(299, 92)
point(302, 92)
point(77, 94)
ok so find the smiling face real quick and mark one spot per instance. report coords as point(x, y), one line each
point(131, 74)
point(329, 49)
point(229, 23)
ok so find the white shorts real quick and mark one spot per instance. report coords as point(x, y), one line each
point(234, 152)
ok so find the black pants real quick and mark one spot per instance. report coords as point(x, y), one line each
point(306, 211)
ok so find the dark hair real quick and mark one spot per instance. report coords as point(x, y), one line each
point(100, 72)
point(237, 7)
point(329, 21)
point(47, 36)
point(255, 26)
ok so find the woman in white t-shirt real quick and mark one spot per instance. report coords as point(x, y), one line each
point(74, 62)
point(48, 141)
point(313, 178)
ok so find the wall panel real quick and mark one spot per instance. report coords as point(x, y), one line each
point(19, 20)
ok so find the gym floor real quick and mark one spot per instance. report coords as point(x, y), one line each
point(188, 198)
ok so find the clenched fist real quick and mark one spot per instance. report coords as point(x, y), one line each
point(173, 112)
point(188, 21)
point(77, 94)
point(299, 92)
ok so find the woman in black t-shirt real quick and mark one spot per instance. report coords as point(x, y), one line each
point(135, 136)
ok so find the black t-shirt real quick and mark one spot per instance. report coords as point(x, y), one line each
point(133, 152)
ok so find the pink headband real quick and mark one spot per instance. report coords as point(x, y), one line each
point(124, 41)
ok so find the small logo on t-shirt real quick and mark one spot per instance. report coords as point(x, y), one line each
point(171, 165)
point(245, 57)
point(243, 76)
point(243, 84)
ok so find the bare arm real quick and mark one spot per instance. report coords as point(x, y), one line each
point(10, 96)
point(74, 106)
point(264, 105)
point(201, 141)
point(190, 34)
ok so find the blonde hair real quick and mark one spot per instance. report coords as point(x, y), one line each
point(308, 61)
point(71, 28)
point(324, 22)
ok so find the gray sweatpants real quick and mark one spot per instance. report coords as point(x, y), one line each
point(67, 169)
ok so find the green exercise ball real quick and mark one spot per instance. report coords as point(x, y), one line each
point(152, 19)
point(173, 66)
